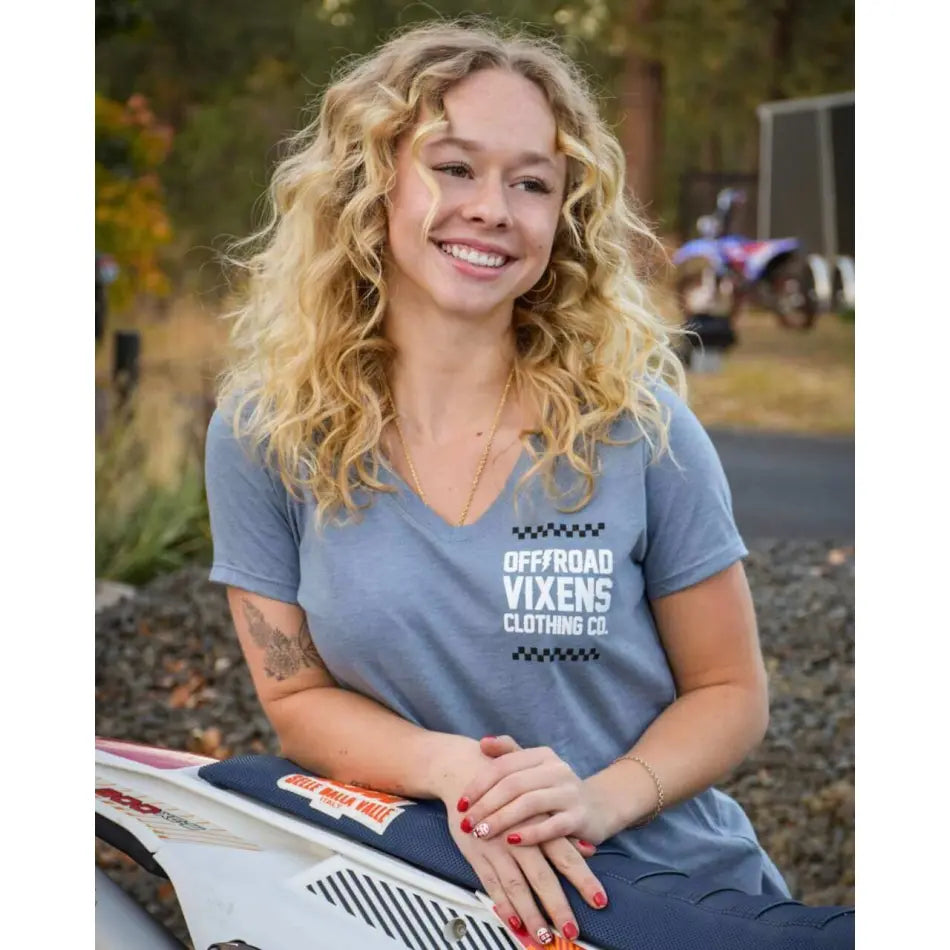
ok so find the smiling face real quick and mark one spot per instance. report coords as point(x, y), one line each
point(501, 182)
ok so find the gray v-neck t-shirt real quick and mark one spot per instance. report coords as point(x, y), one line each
point(529, 622)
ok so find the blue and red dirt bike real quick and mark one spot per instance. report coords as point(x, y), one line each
point(719, 273)
point(264, 855)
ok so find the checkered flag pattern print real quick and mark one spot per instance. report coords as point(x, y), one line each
point(550, 654)
point(558, 530)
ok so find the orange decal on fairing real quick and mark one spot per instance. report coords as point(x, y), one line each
point(372, 809)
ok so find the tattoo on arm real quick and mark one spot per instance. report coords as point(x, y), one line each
point(283, 656)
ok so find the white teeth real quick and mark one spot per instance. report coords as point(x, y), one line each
point(472, 256)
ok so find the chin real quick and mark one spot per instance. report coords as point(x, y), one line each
point(472, 309)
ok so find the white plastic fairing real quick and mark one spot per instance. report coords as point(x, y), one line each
point(121, 923)
point(243, 870)
point(409, 914)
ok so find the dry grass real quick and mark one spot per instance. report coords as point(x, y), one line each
point(782, 380)
point(181, 352)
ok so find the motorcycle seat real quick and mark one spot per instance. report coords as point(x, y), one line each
point(649, 905)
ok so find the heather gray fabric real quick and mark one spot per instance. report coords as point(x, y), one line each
point(530, 622)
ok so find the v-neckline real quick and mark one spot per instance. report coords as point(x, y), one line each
point(411, 506)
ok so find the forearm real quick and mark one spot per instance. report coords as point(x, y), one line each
point(697, 740)
point(350, 738)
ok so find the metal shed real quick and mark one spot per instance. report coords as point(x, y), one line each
point(806, 184)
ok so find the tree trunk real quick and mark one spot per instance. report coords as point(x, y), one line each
point(641, 132)
point(783, 24)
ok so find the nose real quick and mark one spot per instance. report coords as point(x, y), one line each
point(489, 204)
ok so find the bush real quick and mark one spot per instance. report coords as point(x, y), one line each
point(146, 527)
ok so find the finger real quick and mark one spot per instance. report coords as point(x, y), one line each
point(521, 896)
point(575, 869)
point(584, 848)
point(559, 823)
point(509, 788)
point(497, 770)
point(494, 746)
point(539, 872)
point(491, 881)
point(513, 922)
point(527, 809)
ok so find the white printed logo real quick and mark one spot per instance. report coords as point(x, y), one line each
point(557, 591)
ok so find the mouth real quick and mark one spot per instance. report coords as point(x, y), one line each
point(485, 261)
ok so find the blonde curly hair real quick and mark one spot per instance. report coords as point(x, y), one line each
point(308, 373)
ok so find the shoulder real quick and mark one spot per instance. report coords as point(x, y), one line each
point(231, 452)
point(678, 437)
point(662, 420)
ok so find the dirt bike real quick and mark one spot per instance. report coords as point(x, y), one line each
point(720, 272)
point(264, 855)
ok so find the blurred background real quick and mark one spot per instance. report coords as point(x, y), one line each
point(193, 99)
point(737, 118)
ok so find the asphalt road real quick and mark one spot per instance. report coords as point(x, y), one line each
point(788, 486)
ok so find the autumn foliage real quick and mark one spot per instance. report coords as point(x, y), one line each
point(131, 221)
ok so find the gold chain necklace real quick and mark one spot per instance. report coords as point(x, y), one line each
point(481, 463)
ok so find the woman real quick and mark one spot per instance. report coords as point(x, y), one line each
point(451, 497)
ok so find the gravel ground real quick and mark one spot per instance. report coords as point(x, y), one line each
point(169, 672)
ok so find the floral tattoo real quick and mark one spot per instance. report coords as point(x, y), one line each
point(283, 656)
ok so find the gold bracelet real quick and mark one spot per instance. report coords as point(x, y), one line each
point(656, 781)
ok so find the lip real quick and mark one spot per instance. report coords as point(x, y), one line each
point(473, 270)
point(477, 246)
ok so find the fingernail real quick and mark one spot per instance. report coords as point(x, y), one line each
point(580, 841)
point(514, 921)
point(488, 737)
point(544, 935)
point(481, 829)
point(463, 804)
point(466, 825)
point(600, 899)
point(514, 838)
point(570, 930)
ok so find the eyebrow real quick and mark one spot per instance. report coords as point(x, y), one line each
point(525, 158)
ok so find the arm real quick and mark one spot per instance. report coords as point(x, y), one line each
point(721, 711)
point(720, 714)
point(345, 736)
point(335, 732)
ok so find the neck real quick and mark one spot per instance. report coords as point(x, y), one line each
point(449, 374)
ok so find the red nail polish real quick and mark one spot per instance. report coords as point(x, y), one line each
point(514, 838)
point(515, 923)
point(600, 899)
point(582, 843)
point(463, 804)
point(570, 930)
point(467, 825)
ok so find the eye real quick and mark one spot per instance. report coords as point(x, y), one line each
point(534, 185)
point(455, 169)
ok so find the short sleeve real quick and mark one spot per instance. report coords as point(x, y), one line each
point(691, 532)
point(253, 532)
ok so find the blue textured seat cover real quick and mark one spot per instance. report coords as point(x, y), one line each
point(649, 905)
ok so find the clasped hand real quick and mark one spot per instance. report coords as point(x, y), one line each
point(530, 795)
point(517, 876)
